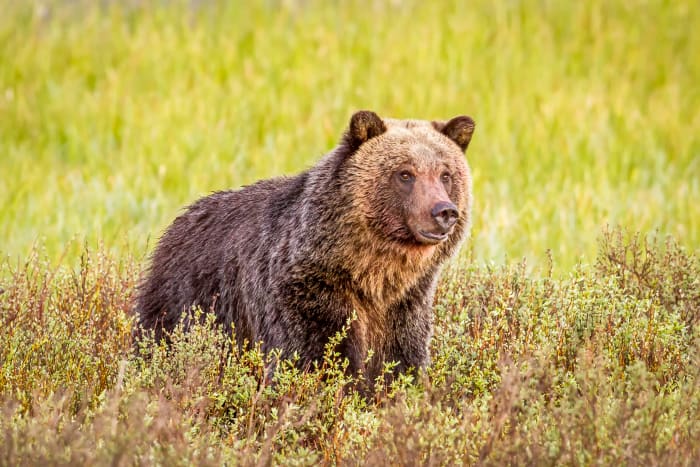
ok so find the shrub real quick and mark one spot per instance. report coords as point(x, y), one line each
point(599, 366)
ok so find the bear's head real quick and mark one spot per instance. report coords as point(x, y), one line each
point(409, 179)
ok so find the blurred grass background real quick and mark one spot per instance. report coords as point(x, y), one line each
point(113, 115)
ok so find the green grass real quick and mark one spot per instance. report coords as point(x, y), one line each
point(113, 118)
point(599, 367)
point(114, 115)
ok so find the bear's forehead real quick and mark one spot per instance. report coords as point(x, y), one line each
point(410, 142)
point(419, 138)
point(421, 131)
point(412, 130)
point(408, 124)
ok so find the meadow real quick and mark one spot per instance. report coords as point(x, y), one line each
point(567, 330)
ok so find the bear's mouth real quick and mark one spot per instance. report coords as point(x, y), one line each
point(431, 238)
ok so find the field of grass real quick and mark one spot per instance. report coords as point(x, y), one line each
point(113, 118)
point(115, 114)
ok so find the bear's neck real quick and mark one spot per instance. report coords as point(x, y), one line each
point(382, 272)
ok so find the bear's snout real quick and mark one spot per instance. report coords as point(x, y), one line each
point(432, 214)
point(445, 215)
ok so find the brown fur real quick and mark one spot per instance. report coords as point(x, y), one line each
point(289, 260)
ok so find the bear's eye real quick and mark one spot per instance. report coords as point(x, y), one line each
point(446, 177)
point(405, 176)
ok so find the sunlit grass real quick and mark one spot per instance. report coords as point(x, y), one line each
point(598, 367)
point(114, 117)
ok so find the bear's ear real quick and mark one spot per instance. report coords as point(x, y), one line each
point(364, 125)
point(459, 130)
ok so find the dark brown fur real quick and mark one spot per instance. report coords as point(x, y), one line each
point(287, 260)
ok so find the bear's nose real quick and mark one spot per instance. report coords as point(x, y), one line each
point(445, 214)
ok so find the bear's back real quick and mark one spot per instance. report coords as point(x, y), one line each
point(214, 251)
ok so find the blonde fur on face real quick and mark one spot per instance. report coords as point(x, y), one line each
point(384, 268)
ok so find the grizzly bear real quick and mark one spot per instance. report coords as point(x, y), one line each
point(287, 261)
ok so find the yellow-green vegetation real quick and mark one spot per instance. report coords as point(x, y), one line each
point(115, 114)
point(597, 368)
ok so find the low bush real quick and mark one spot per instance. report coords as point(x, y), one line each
point(599, 366)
